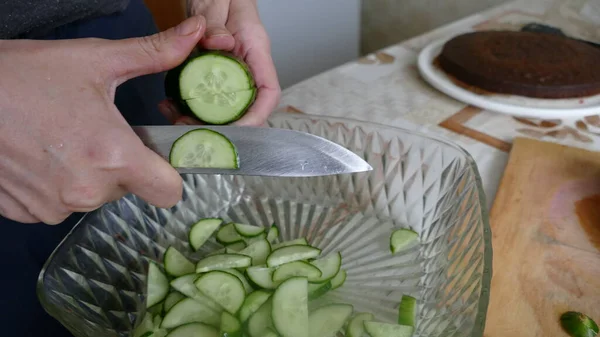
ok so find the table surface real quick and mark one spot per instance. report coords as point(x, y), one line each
point(385, 87)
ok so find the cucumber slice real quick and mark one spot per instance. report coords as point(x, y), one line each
point(202, 231)
point(261, 321)
point(296, 268)
point(292, 253)
point(273, 234)
point(204, 148)
point(326, 321)
point(222, 109)
point(172, 299)
point(402, 239)
point(258, 251)
point(270, 333)
point(227, 234)
point(223, 261)
point(329, 267)
point(262, 277)
point(295, 242)
point(223, 288)
point(230, 326)
point(290, 308)
point(189, 311)
point(378, 329)
point(185, 285)
point(241, 277)
point(176, 264)
point(254, 239)
point(157, 285)
point(252, 303)
point(236, 247)
point(248, 231)
point(406, 310)
point(338, 280)
point(194, 330)
point(356, 326)
point(144, 327)
point(316, 290)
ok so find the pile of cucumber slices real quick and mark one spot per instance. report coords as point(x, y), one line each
point(257, 286)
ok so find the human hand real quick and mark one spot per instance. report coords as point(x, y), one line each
point(64, 146)
point(235, 26)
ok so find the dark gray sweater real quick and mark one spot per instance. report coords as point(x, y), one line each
point(29, 18)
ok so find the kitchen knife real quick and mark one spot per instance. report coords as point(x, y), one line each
point(264, 151)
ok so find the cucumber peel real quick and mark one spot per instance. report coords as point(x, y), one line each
point(577, 324)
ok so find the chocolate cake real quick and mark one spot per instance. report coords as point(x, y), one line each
point(528, 64)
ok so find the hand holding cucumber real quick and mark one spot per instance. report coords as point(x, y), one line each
point(64, 146)
point(234, 26)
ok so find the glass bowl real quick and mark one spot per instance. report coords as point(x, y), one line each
point(93, 282)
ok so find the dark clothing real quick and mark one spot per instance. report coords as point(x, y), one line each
point(25, 247)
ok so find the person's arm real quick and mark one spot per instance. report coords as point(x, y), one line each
point(64, 146)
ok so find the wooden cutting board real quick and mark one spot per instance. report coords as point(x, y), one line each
point(546, 240)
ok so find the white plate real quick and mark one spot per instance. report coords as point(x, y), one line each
point(509, 104)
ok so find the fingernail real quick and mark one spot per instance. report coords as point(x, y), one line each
point(189, 26)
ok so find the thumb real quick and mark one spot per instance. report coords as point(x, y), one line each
point(130, 58)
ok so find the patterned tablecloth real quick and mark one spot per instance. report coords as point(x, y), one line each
point(386, 87)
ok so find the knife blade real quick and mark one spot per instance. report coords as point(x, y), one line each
point(264, 151)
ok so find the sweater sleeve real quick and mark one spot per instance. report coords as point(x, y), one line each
point(30, 18)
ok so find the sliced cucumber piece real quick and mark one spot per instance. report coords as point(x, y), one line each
point(290, 308)
point(248, 231)
point(292, 253)
point(144, 327)
point(356, 326)
point(329, 267)
point(176, 264)
point(273, 234)
point(185, 285)
point(378, 329)
point(241, 277)
point(188, 311)
point(172, 299)
point(254, 239)
point(261, 320)
point(338, 280)
point(223, 288)
point(194, 330)
point(222, 109)
point(157, 285)
point(204, 148)
point(258, 251)
point(262, 277)
point(252, 303)
point(295, 242)
point(326, 321)
point(223, 261)
point(230, 326)
point(227, 234)
point(202, 231)
point(236, 246)
point(316, 290)
point(296, 268)
point(406, 310)
point(402, 239)
point(270, 333)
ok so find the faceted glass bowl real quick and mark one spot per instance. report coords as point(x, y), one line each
point(94, 281)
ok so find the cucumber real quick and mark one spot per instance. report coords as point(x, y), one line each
point(296, 268)
point(157, 285)
point(185, 285)
point(235, 247)
point(242, 279)
point(262, 277)
point(273, 234)
point(251, 240)
point(261, 320)
point(406, 310)
point(316, 290)
point(402, 239)
point(202, 231)
point(270, 333)
point(329, 267)
point(172, 299)
point(356, 326)
point(378, 329)
point(204, 148)
point(194, 330)
point(300, 241)
point(223, 288)
point(176, 264)
point(326, 321)
point(230, 326)
point(223, 261)
point(145, 326)
point(248, 231)
point(252, 303)
point(258, 251)
point(189, 311)
point(290, 308)
point(292, 253)
point(338, 280)
point(227, 234)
